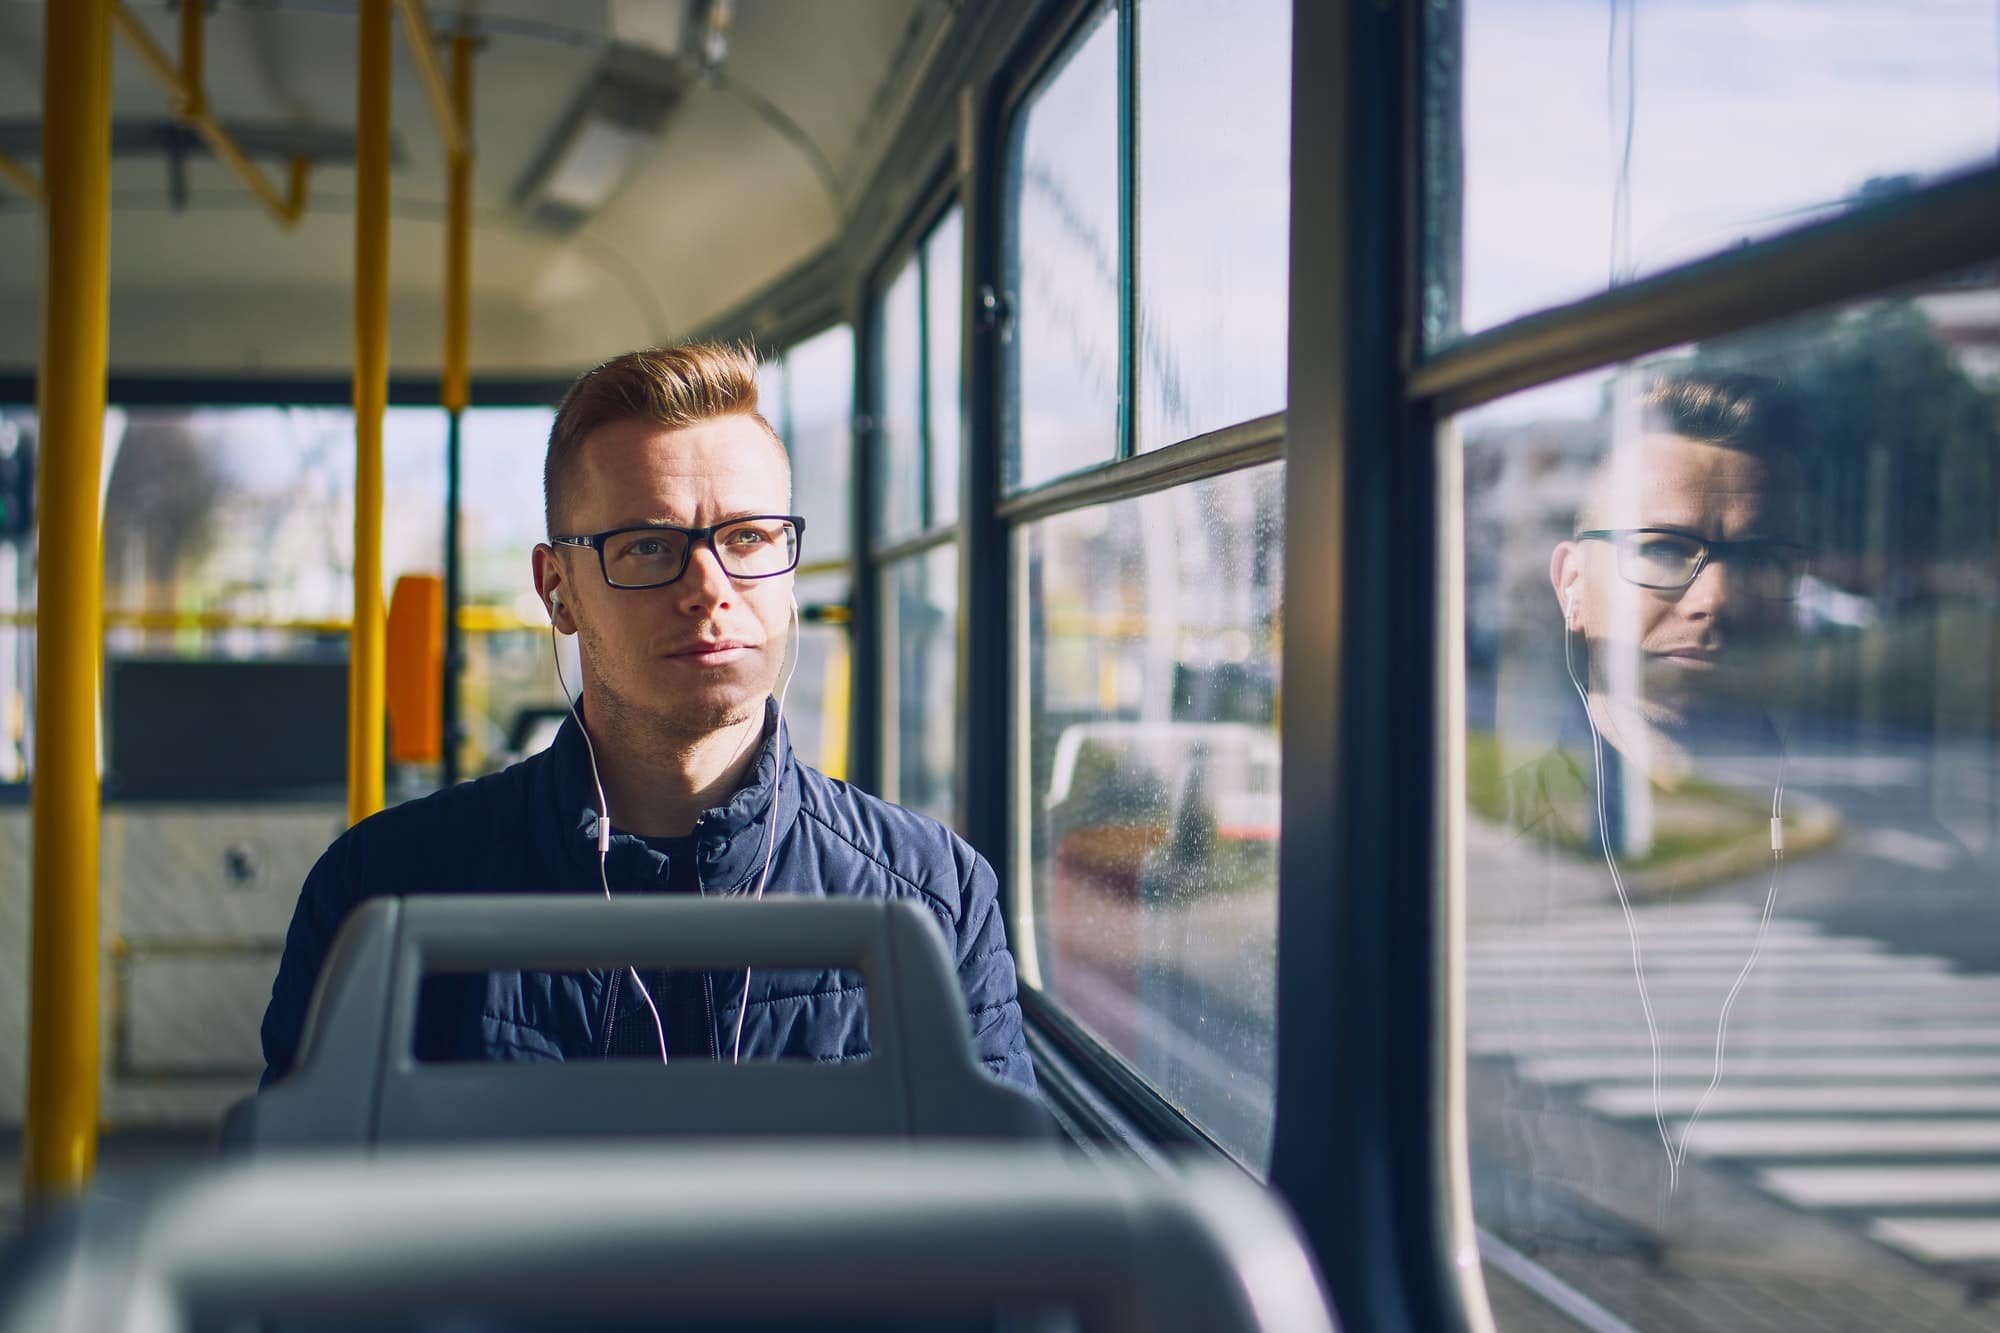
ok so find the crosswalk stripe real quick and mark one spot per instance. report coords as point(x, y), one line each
point(1619, 1034)
point(1680, 1098)
point(1795, 982)
point(1882, 1186)
point(1941, 1240)
point(1755, 1005)
point(1882, 1068)
point(1688, 934)
point(1562, 964)
point(1860, 1138)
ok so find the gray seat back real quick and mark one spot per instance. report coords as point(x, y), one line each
point(577, 1236)
point(357, 1081)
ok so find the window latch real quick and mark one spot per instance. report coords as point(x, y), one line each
point(996, 312)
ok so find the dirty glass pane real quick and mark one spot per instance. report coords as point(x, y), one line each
point(1709, 1084)
point(1150, 837)
point(944, 267)
point(920, 689)
point(1604, 142)
point(900, 461)
point(1213, 210)
point(1062, 265)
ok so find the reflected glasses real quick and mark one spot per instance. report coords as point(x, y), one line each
point(762, 546)
point(1667, 560)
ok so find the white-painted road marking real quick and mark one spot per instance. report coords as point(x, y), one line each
point(1868, 1137)
point(1941, 1240)
point(1680, 1098)
point(1589, 1034)
point(1883, 1186)
point(1884, 1068)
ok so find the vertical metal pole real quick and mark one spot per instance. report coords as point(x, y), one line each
point(454, 637)
point(59, 1138)
point(1129, 333)
point(367, 662)
point(985, 720)
point(457, 389)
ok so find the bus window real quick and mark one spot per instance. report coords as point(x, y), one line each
point(1063, 264)
point(1732, 811)
point(510, 700)
point(1150, 661)
point(919, 712)
point(819, 430)
point(1212, 280)
point(917, 462)
point(1600, 144)
point(807, 394)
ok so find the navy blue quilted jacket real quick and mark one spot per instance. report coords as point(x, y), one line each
point(533, 829)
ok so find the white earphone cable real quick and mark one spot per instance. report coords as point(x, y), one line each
point(603, 826)
point(1677, 1152)
point(771, 819)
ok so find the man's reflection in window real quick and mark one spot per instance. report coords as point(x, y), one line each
point(1679, 580)
point(1675, 587)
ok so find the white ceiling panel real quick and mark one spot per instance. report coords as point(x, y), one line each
point(734, 192)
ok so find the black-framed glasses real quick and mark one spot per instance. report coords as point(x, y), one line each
point(1668, 559)
point(761, 546)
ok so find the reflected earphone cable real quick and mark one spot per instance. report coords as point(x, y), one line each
point(1676, 1153)
point(603, 820)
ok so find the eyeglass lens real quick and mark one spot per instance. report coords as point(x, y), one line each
point(1668, 560)
point(754, 548)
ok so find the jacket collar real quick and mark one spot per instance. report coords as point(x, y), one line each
point(730, 839)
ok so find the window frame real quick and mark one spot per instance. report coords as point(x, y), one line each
point(1373, 1162)
point(1121, 1103)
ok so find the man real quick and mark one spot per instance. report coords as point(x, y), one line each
point(1686, 559)
point(670, 557)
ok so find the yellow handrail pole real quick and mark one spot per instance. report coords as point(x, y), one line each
point(455, 392)
point(194, 84)
point(59, 1137)
point(190, 101)
point(20, 177)
point(367, 662)
point(457, 385)
point(453, 127)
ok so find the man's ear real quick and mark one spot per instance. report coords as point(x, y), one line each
point(549, 583)
point(1566, 577)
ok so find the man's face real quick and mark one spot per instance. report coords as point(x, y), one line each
point(1671, 647)
point(700, 653)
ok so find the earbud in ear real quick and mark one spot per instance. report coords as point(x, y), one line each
point(1569, 609)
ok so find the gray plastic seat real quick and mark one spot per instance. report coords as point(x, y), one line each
point(357, 1082)
point(578, 1235)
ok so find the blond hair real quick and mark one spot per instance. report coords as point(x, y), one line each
point(669, 387)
